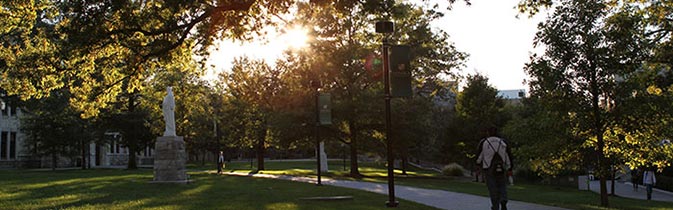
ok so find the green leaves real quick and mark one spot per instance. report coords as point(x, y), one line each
point(91, 47)
point(603, 77)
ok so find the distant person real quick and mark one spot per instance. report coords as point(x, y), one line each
point(494, 159)
point(220, 162)
point(635, 178)
point(649, 180)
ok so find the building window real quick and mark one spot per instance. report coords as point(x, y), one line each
point(12, 145)
point(5, 110)
point(3, 145)
point(148, 151)
point(12, 111)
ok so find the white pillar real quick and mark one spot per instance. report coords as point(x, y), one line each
point(323, 157)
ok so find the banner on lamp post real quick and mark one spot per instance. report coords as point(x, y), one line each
point(400, 71)
point(325, 104)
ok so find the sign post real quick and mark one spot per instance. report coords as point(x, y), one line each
point(387, 27)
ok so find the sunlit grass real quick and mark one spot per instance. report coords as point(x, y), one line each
point(282, 206)
point(130, 189)
point(307, 168)
point(376, 172)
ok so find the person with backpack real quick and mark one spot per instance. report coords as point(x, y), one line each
point(496, 161)
point(649, 180)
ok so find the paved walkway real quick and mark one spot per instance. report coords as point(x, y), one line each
point(435, 198)
point(625, 189)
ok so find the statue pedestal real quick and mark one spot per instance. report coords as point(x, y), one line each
point(170, 159)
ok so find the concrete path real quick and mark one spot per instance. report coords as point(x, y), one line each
point(435, 198)
point(625, 189)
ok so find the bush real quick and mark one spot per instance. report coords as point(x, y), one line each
point(664, 183)
point(527, 175)
point(453, 169)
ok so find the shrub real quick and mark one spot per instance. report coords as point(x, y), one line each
point(453, 169)
point(664, 183)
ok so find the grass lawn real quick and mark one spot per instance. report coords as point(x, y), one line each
point(542, 194)
point(129, 189)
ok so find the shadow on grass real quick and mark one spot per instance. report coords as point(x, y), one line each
point(118, 189)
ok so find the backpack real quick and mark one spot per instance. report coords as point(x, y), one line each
point(497, 166)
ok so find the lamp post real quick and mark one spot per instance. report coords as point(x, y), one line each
point(385, 28)
point(316, 85)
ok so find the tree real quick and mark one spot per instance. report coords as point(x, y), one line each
point(257, 86)
point(575, 70)
point(345, 58)
point(54, 129)
point(478, 106)
point(100, 45)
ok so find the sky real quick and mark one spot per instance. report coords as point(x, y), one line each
point(498, 43)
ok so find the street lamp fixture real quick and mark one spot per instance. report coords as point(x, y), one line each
point(386, 27)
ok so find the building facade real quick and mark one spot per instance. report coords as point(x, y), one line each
point(15, 153)
point(11, 138)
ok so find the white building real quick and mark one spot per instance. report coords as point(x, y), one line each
point(512, 96)
point(114, 154)
point(14, 153)
point(11, 138)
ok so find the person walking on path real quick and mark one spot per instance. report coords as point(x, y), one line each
point(220, 162)
point(649, 180)
point(635, 178)
point(495, 160)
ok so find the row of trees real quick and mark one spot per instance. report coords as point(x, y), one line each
point(600, 94)
point(107, 64)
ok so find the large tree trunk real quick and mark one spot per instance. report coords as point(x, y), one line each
point(83, 154)
point(354, 150)
point(260, 148)
point(203, 157)
point(53, 161)
point(132, 159)
point(598, 128)
point(260, 154)
point(612, 175)
point(405, 161)
point(132, 151)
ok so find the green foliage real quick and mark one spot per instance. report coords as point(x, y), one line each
point(542, 136)
point(92, 48)
point(664, 183)
point(602, 77)
point(605, 82)
point(116, 58)
point(342, 57)
point(453, 169)
point(53, 128)
point(477, 108)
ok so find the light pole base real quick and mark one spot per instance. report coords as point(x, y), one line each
point(392, 205)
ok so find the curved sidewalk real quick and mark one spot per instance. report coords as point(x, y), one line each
point(435, 198)
point(625, 189)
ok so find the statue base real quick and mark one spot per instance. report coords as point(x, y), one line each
point(169, 160)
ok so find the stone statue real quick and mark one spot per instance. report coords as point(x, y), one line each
point(169, 116)
point(323, 158)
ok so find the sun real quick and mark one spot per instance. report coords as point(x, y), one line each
point(295, 37)
point(292, 38)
